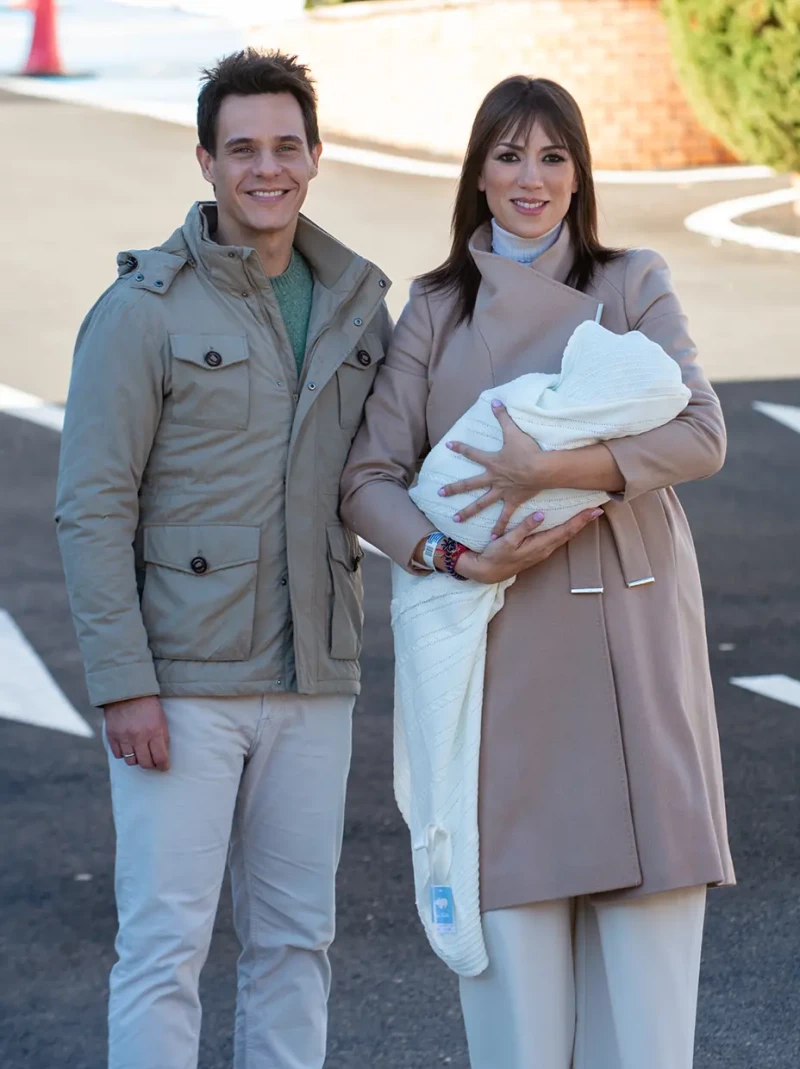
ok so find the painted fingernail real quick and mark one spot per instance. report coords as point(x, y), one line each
point(456, 518)
point(494, 536)
point(597, 512)
point(538, 515)
point(442, 492)
point(497, 404)
point(449, 445)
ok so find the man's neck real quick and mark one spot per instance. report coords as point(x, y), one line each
point(274, 248)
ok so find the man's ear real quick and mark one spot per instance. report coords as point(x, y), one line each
point(316, 152)
point(206, 161)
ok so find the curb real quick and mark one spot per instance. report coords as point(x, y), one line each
point(183, 114)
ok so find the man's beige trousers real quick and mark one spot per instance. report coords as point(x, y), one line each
point(259, 782)
point(576, 984)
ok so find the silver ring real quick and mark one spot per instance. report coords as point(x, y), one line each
point(127, 755)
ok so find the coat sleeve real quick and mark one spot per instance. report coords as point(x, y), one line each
point(692, 446)
point(384, 455)
point(113, 410)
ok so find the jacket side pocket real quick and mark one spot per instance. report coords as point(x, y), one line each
point(347, 614)
point(199, 594)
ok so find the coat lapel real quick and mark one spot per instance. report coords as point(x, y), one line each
point(525, 315)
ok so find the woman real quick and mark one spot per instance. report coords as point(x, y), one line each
point(601, 810)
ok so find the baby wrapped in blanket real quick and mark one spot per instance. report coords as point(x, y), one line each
point(610, 386)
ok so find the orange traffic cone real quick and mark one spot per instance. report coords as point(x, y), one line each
point(44, 60)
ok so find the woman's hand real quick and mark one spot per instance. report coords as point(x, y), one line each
point(520, 470)
point(521, 548)
point(513, 474)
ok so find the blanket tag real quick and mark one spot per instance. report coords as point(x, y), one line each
point(443, 911)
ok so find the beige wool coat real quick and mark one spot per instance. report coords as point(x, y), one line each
point(600, 764)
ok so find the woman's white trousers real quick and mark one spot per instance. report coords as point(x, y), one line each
point(581, 984)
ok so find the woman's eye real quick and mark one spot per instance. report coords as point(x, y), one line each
point(554, 157)
point(508, 157)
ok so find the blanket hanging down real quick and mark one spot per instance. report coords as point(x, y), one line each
point(610, 386)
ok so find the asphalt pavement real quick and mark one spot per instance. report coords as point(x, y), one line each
point(95, 183)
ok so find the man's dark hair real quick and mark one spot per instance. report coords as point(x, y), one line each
point(248, 73)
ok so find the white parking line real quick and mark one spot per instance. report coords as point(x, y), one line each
point(788, 415)
point(28, 692)
point(25, 406)
point(716, 221)
point(779, 688)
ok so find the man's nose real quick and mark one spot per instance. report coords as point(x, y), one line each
point(267, 164)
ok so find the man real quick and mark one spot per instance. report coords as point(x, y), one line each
point(216, 388)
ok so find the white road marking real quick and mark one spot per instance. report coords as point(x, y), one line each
point(716, 221)
point(780, 688)
point(28, 693)
point(25, 406)
point(788, 415)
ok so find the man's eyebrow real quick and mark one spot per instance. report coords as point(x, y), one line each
point(292, 138)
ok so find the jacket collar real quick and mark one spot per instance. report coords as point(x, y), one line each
point(525, 306)
point(235, 268)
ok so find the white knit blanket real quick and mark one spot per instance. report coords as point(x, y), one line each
point(610, 386)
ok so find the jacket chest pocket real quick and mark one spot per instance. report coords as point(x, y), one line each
point(210, 380)
point(199, 593)
point(354, 379)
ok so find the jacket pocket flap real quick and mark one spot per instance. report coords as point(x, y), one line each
point(344, 547)
point(209, 351)
point(199, 550)
point(367, 353)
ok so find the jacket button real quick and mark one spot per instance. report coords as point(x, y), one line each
point(199, 565)
point(358, 322)
point(312, 385)
point(284, 581)
point(364, 358)
point(212, 358)
point(382, 284)
point(138, 278)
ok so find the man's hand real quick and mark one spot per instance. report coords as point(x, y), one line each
point(521, 548)
point(137, 732)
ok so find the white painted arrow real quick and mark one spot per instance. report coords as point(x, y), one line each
point(28, 692)
point(780, 688)
point(788, 415)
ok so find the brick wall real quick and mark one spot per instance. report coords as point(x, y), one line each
point(410, 74)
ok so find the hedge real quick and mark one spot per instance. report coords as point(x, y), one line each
point(739, 62)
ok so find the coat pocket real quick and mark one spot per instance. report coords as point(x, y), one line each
point(354, 379)
point(210, 380)
point(199, 595)
point(347, 614)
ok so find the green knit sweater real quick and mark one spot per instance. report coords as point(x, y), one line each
point(293, 291)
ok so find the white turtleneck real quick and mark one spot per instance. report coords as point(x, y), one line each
point(523, 250)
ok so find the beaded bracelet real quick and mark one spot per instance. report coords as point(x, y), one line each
point(452, 551)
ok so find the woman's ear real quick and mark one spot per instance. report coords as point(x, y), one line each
point(481, 183)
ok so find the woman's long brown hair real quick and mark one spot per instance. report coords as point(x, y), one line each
point(509, 112)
